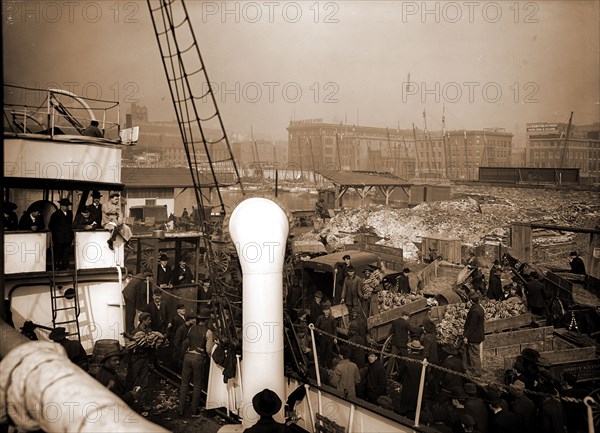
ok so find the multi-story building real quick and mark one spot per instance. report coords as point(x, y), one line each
point(404, 152)
point(549, 147)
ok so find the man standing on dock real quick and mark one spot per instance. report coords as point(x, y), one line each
point(474, 334)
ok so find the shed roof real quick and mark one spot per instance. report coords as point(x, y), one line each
point(363, 178)
point(162, 178)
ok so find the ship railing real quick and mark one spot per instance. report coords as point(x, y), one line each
point(53, 112)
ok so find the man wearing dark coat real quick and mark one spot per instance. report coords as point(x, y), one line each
point(315, 309)
point(108, 376)
point(92, 130)
point(403, 282)
point(495, 283)
point(522, 406)
point(182, 274)
point(61, 226)
point(164, 273)
point(474, 334)
point(75, 351)
point(157, 311)
point(534, 290)
point(135, 294)
point(96, 208)
point(451, 362)
point(266, 404)
point(577, 265)
point(410, 372)
point(400, 333)
point(501, 421)
point(32, 221)
point(375, 379)
point(351, 289)
point(9, 216)
point(83, 220)
point(325, 343)
point(476, 407)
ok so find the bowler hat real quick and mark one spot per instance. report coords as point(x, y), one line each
point(266, 403)
point(190, 316)
point(58, 334)
point(9, 206)
point(65, 202)
point(327, 305)
point(318, 294)
point(85, 209)
point(470, 388)
point(180, 306)
point(406, 270)
point(94, 123)
point(163, 256)
point(474, 297)
point(204, 314)
point(96, 194)
point(346, 256)
point(385, 402)
point(530, 354)
point(517, 387)
point(573, 254)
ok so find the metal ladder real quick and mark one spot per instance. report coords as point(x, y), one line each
point(55, 295)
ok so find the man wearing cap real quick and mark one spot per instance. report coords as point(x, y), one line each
point(182, 274)
point(315, 309)
point(9, 216)
point(135, 294)
point(108, 376)
point(164, 273)
point(576, 263)
point(112, 220)
point(83, 220)
point(325, 343)
point(61, 226)
point(75, 351)
point(32, 220)
point(96, 208)
point(266, 404)
point(92, 130)
point(199, 345)
point(351, 289)
point(138, 369)
point(452, 361)
point(473, 336)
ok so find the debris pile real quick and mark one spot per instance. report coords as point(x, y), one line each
point(474, 214)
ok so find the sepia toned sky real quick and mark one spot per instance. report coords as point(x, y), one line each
point(487, 64)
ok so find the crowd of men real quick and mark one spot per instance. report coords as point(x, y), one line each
point(455, 398)
point(62, 223)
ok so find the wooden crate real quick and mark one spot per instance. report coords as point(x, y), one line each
point(381, 323)
point(510, 344)
point(448, 249)
point(514, 322)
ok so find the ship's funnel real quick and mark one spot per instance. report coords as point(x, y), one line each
point(259, 230)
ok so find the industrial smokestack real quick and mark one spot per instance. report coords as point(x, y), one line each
point(259, 229)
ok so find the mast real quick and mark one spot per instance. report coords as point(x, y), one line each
point(444, 145)
point(564, 151)
point(418, 168)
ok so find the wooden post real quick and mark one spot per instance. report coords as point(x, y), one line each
point(520, 241)
point(593, 261)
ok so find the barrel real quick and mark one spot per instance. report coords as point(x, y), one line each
point(446, 297)
point(102, 348)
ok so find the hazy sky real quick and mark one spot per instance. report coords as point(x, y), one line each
point(491, 64)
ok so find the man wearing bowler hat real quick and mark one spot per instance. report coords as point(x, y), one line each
point(198, 347)
point(75, 351)
point(96, 208)
point(9, 216)
point(61, 226)
point(266, 404)
point(474, 334)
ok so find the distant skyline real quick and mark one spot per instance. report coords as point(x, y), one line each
point(487, 64)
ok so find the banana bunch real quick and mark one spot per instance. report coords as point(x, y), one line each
point(389, 300)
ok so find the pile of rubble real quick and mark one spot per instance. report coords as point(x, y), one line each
point(474, 214)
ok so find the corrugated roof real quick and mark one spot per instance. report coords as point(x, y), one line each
point(161, 177)
point(364, 178)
